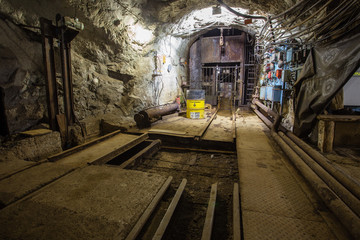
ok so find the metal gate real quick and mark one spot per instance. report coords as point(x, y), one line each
point(219, 81)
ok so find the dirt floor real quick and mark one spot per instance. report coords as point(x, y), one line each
point(201, 170)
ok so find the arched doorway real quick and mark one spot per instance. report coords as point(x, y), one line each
point(222, 63)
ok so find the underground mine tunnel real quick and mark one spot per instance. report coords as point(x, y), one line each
point(179, 119)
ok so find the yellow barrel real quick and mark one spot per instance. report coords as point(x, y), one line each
point(195, 104)
point(195, 109)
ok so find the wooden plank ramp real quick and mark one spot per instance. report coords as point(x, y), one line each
point(169, 212)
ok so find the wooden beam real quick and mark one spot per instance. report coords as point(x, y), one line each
point(236, 213)
point(81, 147)
point(206, 234)
point(339, 118)
point(169, 212)
point(146, 152)
point(120, 150)
point(201, 134)
point(199, 150)
point(326, 132)
point(145, 216)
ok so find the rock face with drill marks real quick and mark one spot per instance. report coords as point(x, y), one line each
point(112, 61)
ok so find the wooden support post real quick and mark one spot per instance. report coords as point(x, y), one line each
point(236, 213)
point(206, 234)
point(169, 212)
point(47, 34)
point(326, 131)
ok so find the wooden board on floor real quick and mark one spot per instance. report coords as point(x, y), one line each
point(103, 151)
point(36, 132)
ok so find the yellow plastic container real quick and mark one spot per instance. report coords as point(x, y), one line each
point(195, 108)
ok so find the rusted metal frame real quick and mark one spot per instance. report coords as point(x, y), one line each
point(209, 219)
point(147, 213)
point(146, 152)
point(170, 211)
point(48, 32)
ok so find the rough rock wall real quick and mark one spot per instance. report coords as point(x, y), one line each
point(21, 77)
point(112, 67)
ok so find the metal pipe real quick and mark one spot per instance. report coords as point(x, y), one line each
point(349, 219)
point(350, 183)
point(144, 118)
point(339, 189)
point(266, 109)
point(346, 180)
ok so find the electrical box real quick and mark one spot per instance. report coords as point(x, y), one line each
point(263, 93)
point(273, 94)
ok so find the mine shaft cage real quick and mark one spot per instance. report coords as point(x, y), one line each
point(219, 81)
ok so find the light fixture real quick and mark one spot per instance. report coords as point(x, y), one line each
point(140, 35)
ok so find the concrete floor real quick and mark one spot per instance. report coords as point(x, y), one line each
point(95, 202)
point(68, 199)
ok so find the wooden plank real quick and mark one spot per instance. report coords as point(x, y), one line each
point(326, 132)
point(146, 152)
point(169, 212)
point(165, 131)
point(339, 118)
point(120, 150)
point(206, 234)
point(145, 216)
point(236, 213)
point(199, 150)
point(202, 132)
point(36, 132)
point(81, 147)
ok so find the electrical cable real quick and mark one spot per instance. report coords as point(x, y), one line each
point(291, 9)
point(240, 14)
